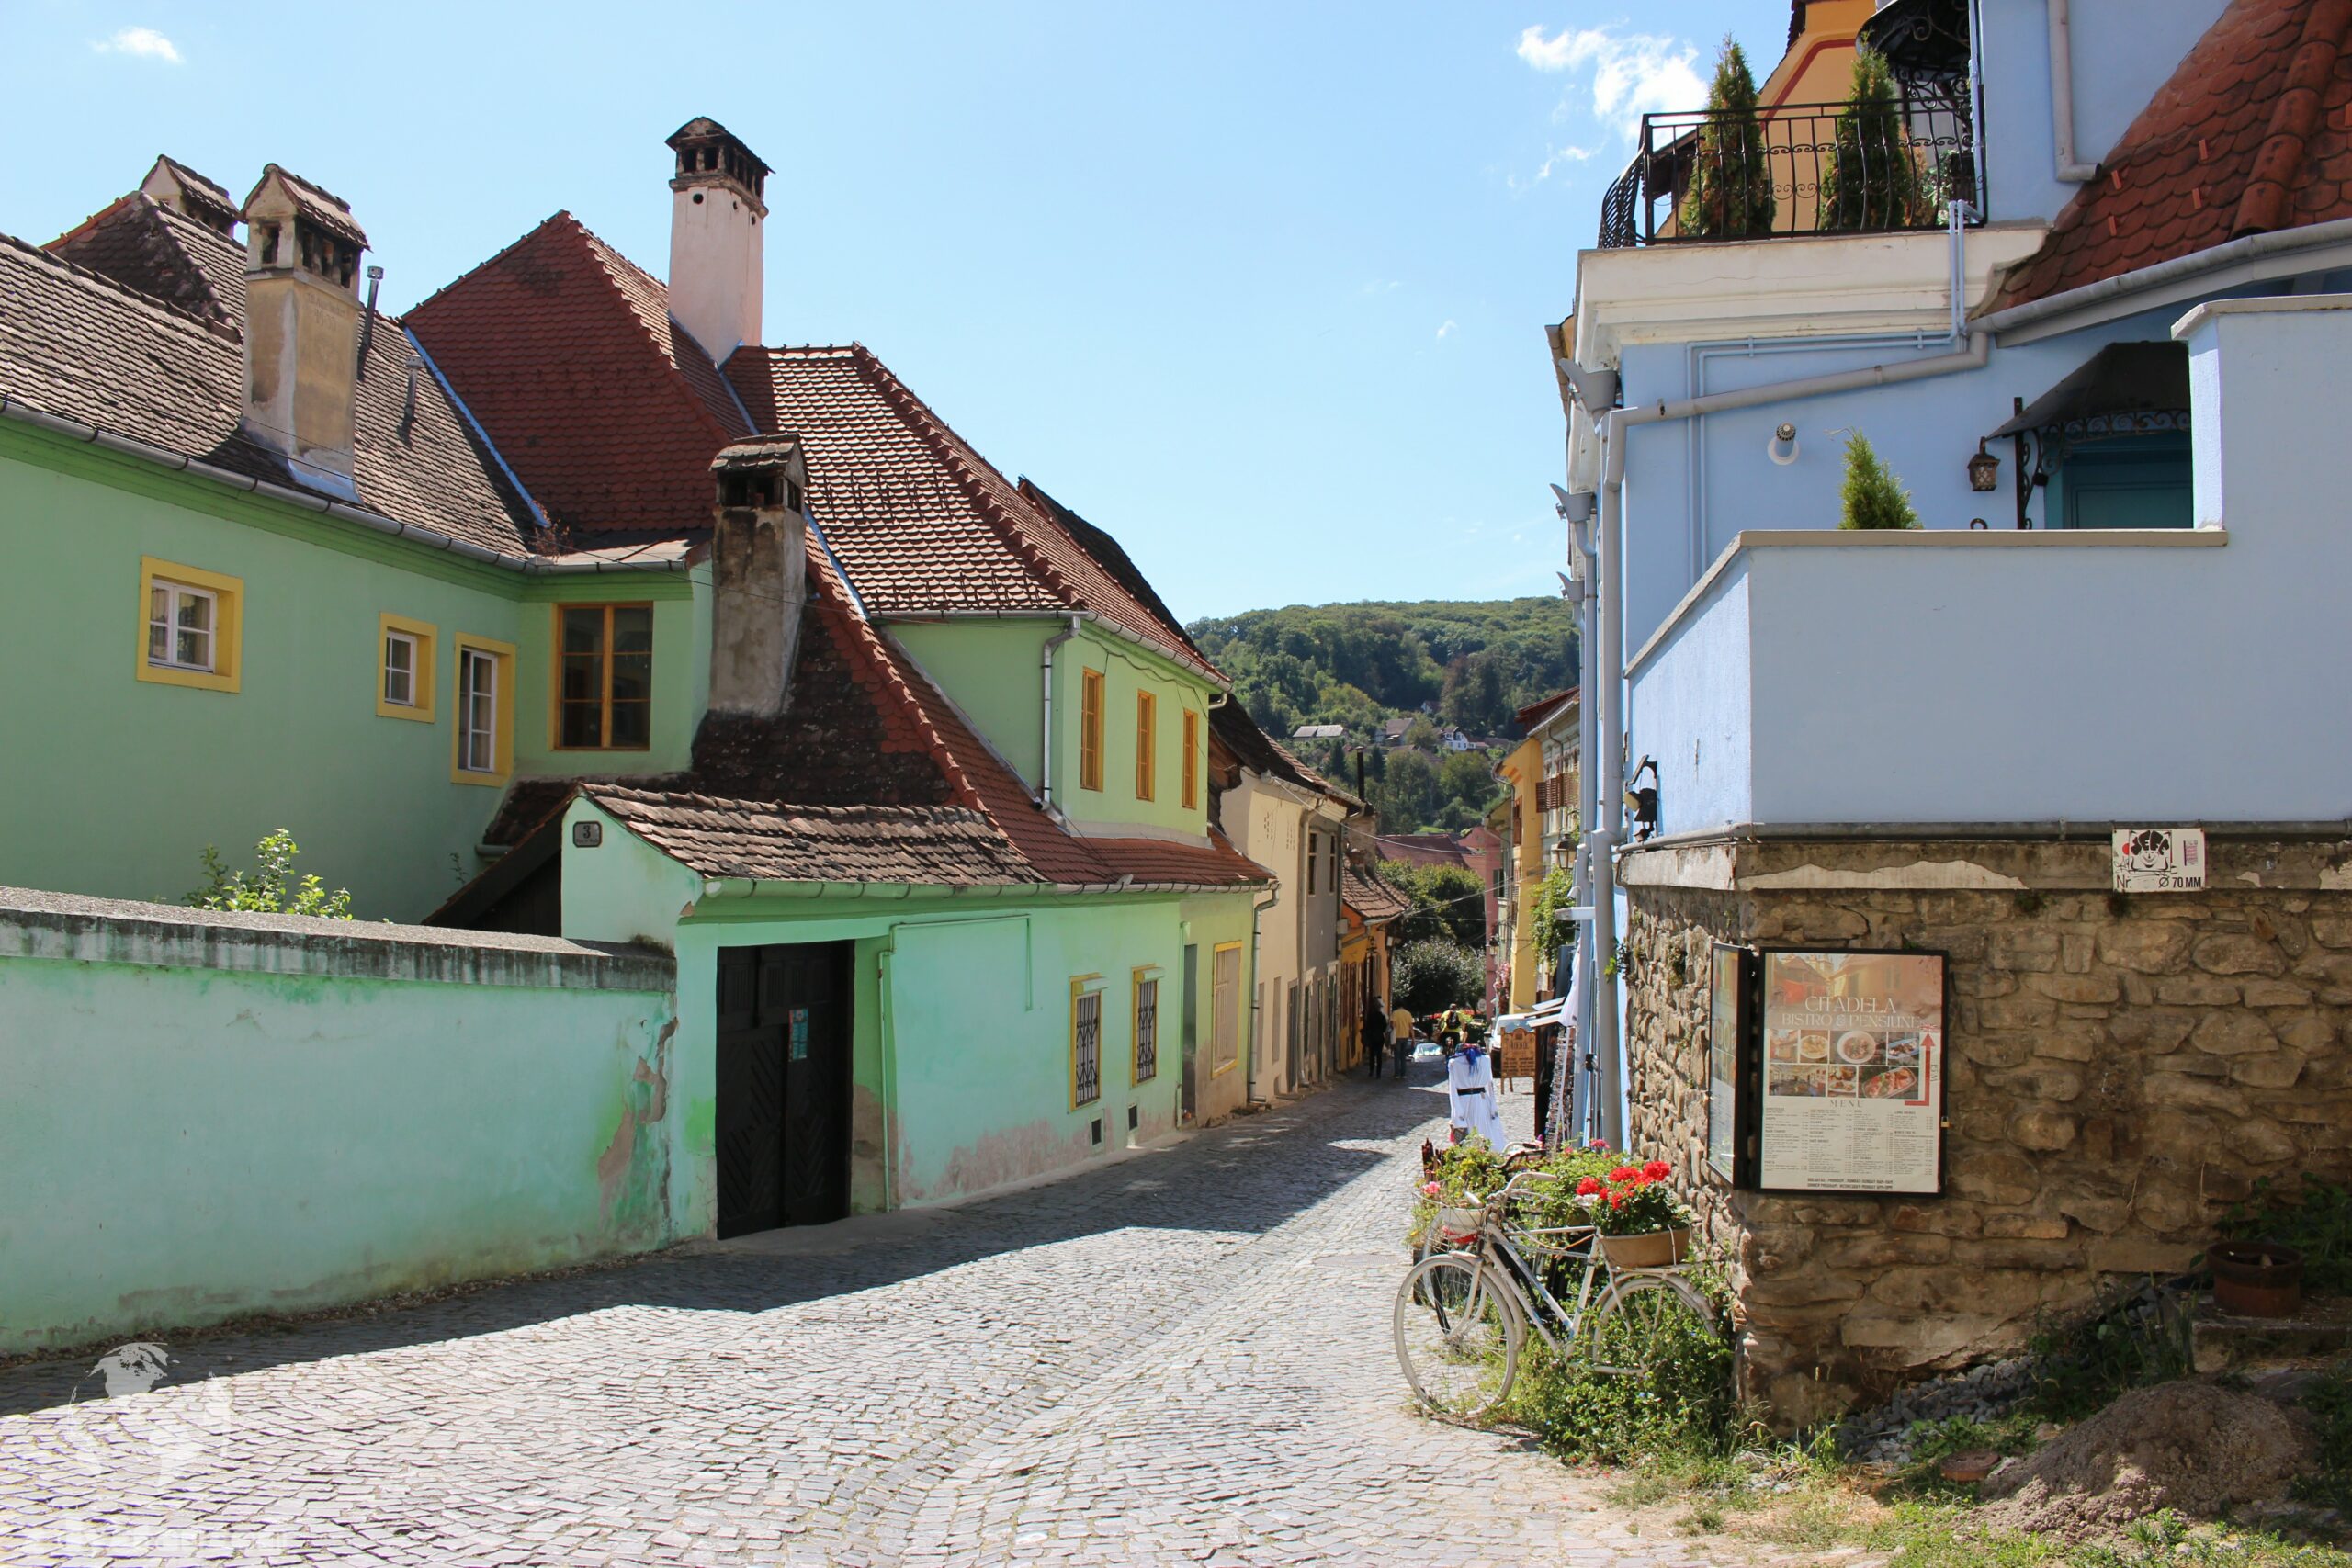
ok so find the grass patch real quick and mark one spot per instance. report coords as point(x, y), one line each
point(1794, 1501)
point(2330, 1405)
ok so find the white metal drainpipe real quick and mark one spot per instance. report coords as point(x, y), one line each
point(1045, 723)
point(2062, 97)
point(1257, 912)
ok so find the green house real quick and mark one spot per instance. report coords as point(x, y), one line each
point(560, 605)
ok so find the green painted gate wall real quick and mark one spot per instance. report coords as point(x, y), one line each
point(205, 1119)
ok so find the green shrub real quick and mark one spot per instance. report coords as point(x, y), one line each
point(1871, 495)
point(265, 890)
point(1682, 1410)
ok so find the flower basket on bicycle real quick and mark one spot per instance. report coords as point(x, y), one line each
point(1458, 1227)
point(1651, 1249)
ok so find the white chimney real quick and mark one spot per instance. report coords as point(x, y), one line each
point(717, 206)
point(302, 326)
point(758, 578)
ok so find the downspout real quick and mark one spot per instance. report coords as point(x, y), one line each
point(2062, 97)
point(1976, 98)
point(1609, 637)
point(1250, 1086)
point(883, 968)
point(1045, 723)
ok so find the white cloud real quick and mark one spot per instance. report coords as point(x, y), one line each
point(1553, 162)
point(1446, 331)
point(145, 42)
point(1633, 74)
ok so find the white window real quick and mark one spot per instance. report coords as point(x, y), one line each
point(181, 625)
point(400, 669)
point(477, 711)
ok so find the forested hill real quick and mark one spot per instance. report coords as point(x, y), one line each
point(1358, 665)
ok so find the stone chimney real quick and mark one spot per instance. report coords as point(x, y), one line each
point(717, 205)
point(301, 328)
point(759, 573)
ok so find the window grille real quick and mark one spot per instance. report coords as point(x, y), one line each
point(1146, 1031)
point(1086, 1047)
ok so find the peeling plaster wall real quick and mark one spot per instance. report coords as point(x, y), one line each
point(206, 1119)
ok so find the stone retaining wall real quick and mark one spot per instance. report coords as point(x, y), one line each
point(2122, 1070)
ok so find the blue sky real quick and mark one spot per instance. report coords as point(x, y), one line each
point(1260, 288)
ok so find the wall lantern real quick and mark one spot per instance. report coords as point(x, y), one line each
point(1984, 469)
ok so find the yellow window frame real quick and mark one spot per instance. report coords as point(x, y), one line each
point(1138, 978)
point(421, 686)
point(1191, 772)
point(1218, 1069)
point(227, 673)
point(1147, 745)
point(502, 720)
point(1080, 986)
point(1090, 729)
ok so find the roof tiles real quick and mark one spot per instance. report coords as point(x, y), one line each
point(2248, 136)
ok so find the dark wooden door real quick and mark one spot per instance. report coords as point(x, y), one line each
point(784, 1085)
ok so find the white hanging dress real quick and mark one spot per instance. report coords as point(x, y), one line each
point(1470, 1096)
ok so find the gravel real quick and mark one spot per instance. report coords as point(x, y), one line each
point(1981, 1394)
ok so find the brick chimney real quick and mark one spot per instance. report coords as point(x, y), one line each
point(301, 328)
point(759, 573)
point(717, 206)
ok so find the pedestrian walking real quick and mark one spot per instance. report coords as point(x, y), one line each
point(1375, 1037)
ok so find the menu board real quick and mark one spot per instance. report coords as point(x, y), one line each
point(1723, 1060)
point(1853, 1072)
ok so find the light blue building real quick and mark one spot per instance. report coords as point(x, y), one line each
point(2092, 312)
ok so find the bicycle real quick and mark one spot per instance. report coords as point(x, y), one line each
point(1461, 1314)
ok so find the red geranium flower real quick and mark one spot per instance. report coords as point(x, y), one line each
point(1624, 1173)
point(1588, 1187)
point(1657, 1170)
point(1615, 1199)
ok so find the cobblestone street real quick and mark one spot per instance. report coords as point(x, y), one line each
point(1177, 1357)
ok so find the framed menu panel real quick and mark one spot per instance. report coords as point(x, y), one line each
point(1852, 1072)
point(1729, 979)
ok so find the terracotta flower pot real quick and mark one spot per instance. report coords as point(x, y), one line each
point(2257, 1279)
point(1652, 1249)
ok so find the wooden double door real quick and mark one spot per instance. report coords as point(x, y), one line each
point(784, 1086)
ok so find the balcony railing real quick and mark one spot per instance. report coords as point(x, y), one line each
point(1794, 169)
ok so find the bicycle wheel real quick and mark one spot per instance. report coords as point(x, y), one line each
point(1458, 1333)
point(1647, 1321)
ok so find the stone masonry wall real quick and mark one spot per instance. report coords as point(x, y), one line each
point(2122, 1070)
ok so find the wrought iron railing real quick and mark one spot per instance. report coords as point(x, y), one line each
point(1794, 169)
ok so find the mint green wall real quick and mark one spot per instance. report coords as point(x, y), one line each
point(991, 671)
point(680, 670)
point(961, 1039)
point(182, 1145)
point(128, 781)
point(1128, 669)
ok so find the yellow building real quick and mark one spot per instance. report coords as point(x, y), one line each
point(1545, 772)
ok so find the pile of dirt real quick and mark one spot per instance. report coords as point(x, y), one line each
point(2186, 1446)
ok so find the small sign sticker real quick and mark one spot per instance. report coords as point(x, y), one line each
point(2159, 860)
point(799, 1026)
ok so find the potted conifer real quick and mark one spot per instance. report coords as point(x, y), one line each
point(1871, 496)
point(1871, 181)
point(1730, 194)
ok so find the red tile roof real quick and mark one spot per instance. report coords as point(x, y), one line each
point(920, 520)
point(1373, 900)
point(86, 346)
point(607, 409)
point(2253, 133)
point(932, 845)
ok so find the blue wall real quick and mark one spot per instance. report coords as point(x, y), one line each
point(2080, 677)
point(2124, 50)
